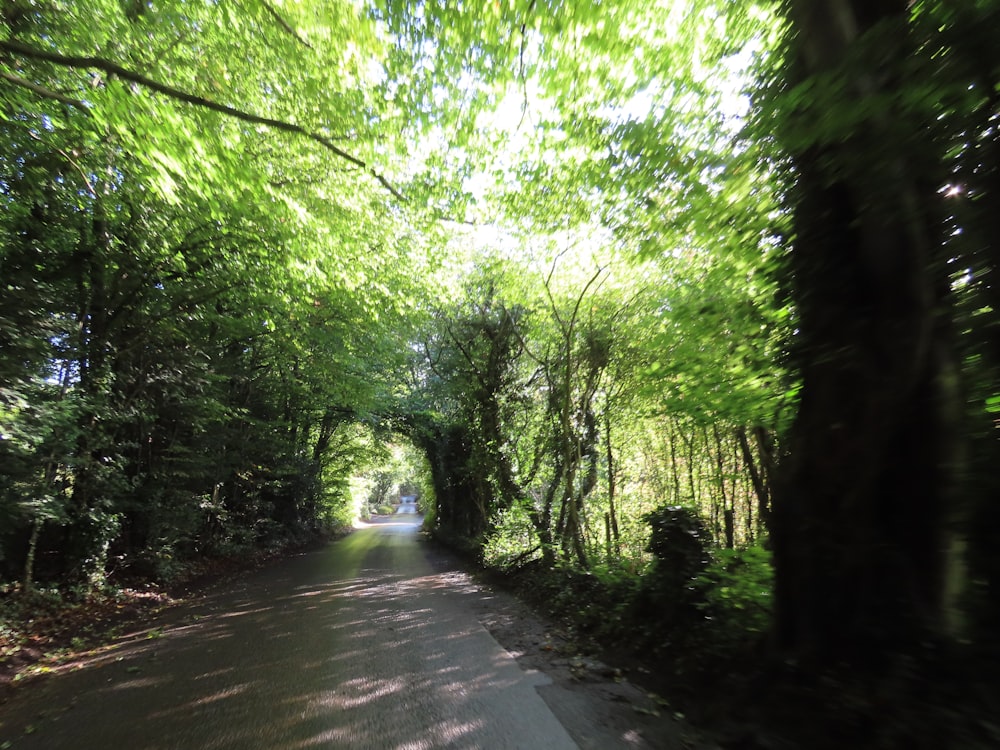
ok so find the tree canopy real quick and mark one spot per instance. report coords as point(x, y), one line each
point(625, 274)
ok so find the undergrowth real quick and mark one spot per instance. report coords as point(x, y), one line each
point(699, 619)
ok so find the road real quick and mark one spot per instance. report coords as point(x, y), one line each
point(371, 642)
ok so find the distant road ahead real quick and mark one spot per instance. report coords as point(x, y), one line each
point(372, 642)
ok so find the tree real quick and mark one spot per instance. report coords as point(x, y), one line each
point(965, 68)
point(862, 507)
point(193, 308)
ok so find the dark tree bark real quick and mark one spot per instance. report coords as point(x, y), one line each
point(973, 65)
point(760, 482)
point(861, 502)
point(612, 515)
point(674, 469)
point(728, 501)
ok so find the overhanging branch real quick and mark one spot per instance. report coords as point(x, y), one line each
point(283, 23)
point(41, 90)
point(114, 69)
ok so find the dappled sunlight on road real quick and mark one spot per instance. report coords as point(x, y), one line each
point(408, 519)
point(397, 521)
point(360, 645)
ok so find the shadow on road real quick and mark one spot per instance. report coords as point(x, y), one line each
point(362, 644)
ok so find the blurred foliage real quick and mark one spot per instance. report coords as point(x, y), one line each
point(193, 321)
point(737, 587)
point(551, 245)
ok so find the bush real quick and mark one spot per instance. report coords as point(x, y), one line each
point(681, 545)
point(513, 541)
point(679, 541)
point(737, 592)
point(430, 516)
point(700, 605)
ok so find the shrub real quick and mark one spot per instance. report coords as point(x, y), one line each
point(679, 540)
point(680, 543)
point(737, 591)
point(513, 541)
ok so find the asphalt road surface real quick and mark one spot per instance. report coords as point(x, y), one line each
point(368, 643)
point(379, 640)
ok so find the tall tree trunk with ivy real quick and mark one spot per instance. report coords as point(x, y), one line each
point(862, 500)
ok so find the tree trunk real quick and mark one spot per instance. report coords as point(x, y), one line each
point(693, 483)
point(28, 582)
point(728, 502)
point(760, 487)
point(612, 514)
point(861, 504)
point(671, 436)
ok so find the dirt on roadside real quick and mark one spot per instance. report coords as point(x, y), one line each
point(602, 704)
point(44, 631)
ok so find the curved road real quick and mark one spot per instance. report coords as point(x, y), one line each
point(371, 642)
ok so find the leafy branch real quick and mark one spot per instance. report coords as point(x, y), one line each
point(118, 71)
point(285, 26)
point(41, 90)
